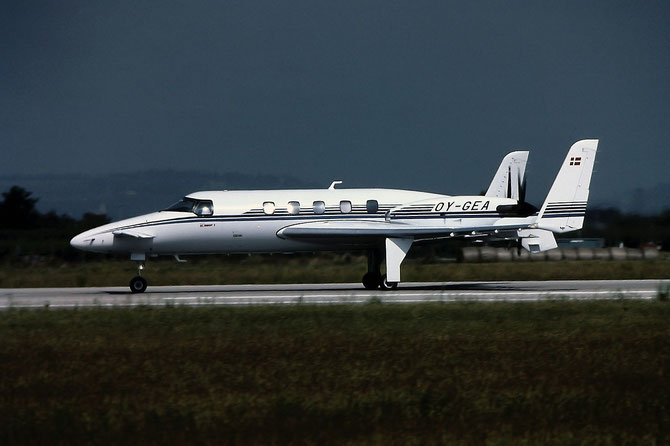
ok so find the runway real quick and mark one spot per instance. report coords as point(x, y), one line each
point(320, 294)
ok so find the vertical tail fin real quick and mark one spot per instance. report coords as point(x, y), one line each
point(564, 208)
point(509, 176)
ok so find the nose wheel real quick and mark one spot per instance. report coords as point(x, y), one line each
point(138, 285)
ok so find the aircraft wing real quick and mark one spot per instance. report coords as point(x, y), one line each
point(381, 229)
point(132, 234)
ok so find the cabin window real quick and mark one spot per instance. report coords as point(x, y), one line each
point(204, 208)
point(293, 207)
point(319, 207)
point(269, 208)
point(372, 206)
point(345, 206)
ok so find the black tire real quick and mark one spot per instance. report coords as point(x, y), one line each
point(371, 281)
point(384, 285)
point(138, 285)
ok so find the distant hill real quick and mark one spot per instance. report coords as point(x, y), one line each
point(124, 195)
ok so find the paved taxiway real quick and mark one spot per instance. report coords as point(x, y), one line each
point(329, 293)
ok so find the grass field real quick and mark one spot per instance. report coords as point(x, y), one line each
point(312, 269)
point(541, 373)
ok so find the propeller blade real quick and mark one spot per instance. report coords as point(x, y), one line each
point(509, 182)
point(522, 190)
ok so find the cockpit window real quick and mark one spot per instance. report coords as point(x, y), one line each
point(202, 208)
point(183, 205)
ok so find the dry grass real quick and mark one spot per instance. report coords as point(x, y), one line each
point(545, 373)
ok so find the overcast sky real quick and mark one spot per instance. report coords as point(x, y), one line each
point(418, 95)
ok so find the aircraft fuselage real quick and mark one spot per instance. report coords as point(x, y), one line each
point(249, 221)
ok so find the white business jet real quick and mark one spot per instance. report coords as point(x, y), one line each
point(384, 222)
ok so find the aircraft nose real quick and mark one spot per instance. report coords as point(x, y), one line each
point(82, 241)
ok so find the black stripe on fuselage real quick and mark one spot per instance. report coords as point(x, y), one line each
point(248, 218)
point(562, 215)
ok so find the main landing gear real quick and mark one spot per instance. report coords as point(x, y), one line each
point(374, 279)
point(138, 284)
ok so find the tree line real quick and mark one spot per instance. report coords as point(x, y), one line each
point(631, 230)
point(30, 236)
point(17, 211)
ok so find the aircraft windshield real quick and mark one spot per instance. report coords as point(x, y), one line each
point(202, 208)
point(183, 205)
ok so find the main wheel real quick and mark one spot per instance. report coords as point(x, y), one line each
point(138, 285)
point(371, 281)
point(385, 285)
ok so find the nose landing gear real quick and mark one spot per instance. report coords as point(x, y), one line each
point(138, 284)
